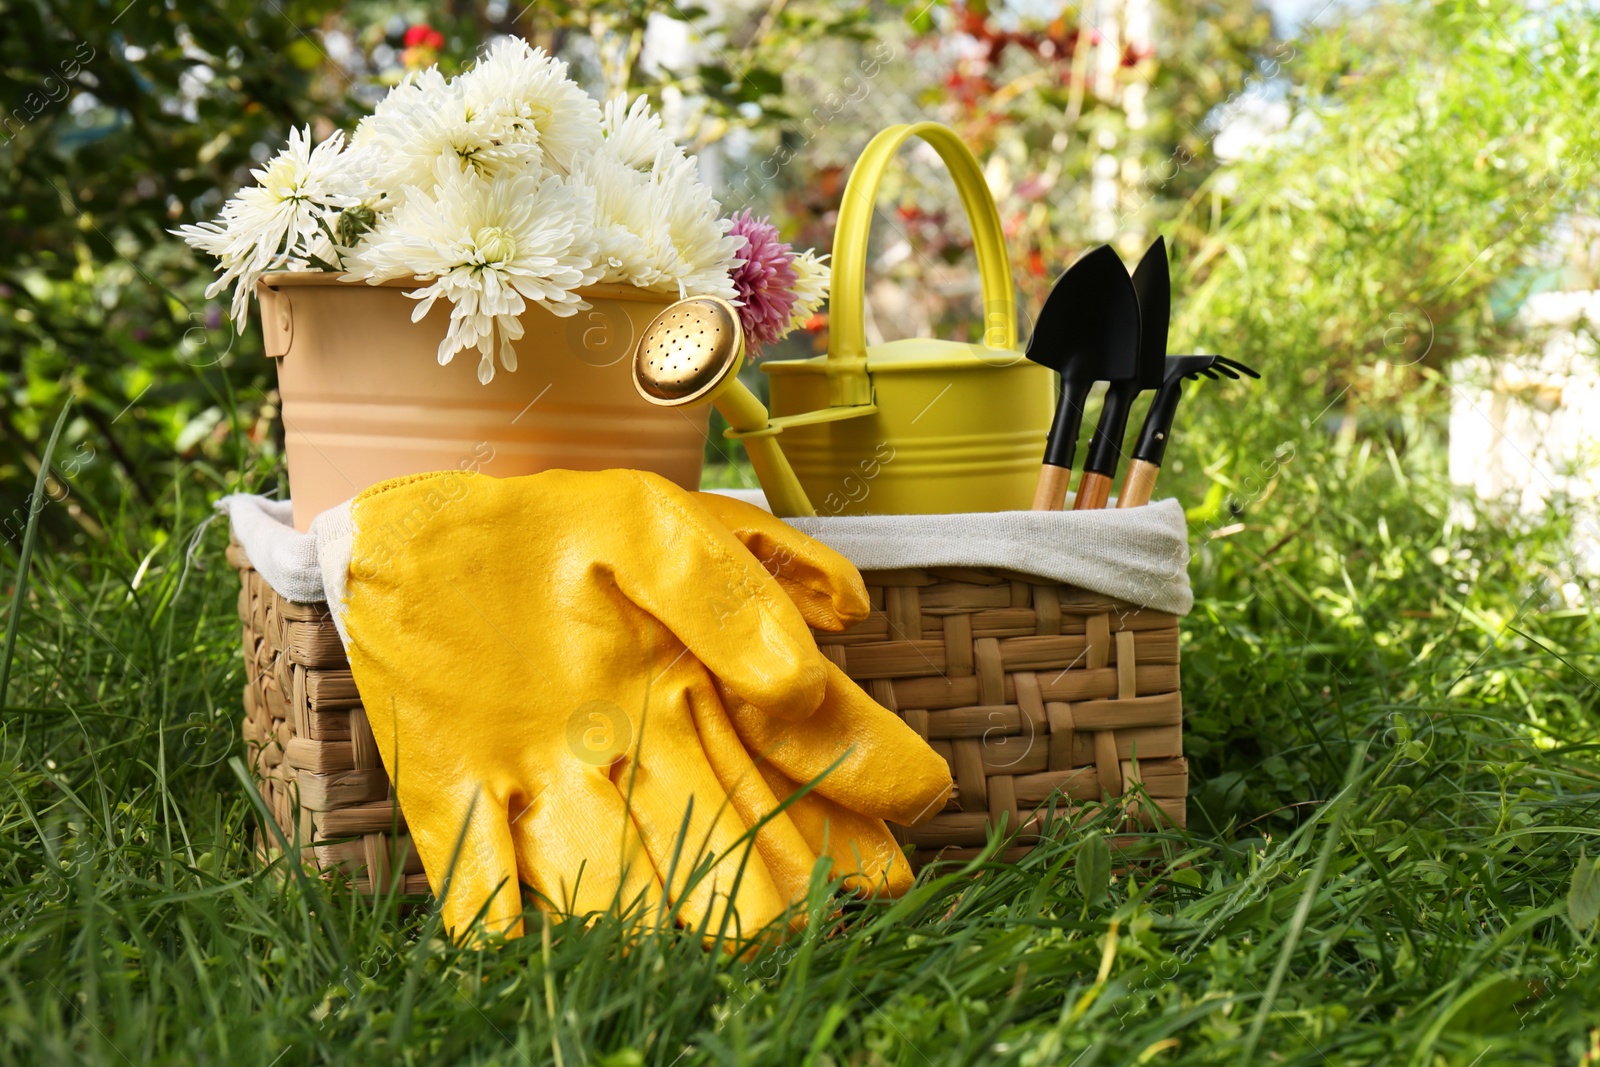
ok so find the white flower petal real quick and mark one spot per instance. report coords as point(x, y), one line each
point(508, 354)
point(812, 275)
point(488, 247)
point(282, 222)
point(524, 95)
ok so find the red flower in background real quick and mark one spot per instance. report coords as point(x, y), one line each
point(424, 36)
point(422, 44)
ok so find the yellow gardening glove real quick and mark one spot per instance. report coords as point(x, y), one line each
point(852, 726)
point(545, 662)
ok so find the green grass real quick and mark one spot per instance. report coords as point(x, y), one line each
point(1392, 723)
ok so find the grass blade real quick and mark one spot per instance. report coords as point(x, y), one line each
point(1307, 898)
point(35, 506)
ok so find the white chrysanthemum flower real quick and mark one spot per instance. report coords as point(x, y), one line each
point(427, 118)
point(811, 277)
point(693, 250)
point(524, 93)
point(633, 133)
point(503, 186)
point(488, 248)
point(625, 226)
point(285, 219)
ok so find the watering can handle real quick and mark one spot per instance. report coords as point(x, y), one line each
point(847, 348)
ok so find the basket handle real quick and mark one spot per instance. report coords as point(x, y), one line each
point(847, 348)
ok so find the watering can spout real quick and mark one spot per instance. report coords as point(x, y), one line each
point(691, 353)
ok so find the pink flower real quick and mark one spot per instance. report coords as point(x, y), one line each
point(764, 279)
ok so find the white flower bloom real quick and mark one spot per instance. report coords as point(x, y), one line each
point(502, 187)
point(524, 94)
point(488, 248)
point(285, 219)
point(633, 134)
point(426, 118)
point(811, 277)
point(625, 227)
point(691, 247)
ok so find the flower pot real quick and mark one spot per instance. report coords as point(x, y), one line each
point(365, 399)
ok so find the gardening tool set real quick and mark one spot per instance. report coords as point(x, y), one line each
point(1153, 290)
point(1127, 321)
point(988, 662)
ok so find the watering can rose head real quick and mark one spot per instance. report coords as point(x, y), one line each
point(504, 187)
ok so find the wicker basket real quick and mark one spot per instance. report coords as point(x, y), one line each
point(1026, 687)
point(309, 745)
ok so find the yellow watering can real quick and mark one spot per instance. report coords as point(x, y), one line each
point(915, 426)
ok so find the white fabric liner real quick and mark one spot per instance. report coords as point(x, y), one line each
point(1140, 555)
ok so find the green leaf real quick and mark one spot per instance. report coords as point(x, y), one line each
point(1583, 898)
point(714, 76)
point(304, 54)
point(1092, 868)
point(764, 81)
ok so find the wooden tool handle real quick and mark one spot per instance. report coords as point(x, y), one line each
point(1051, 492)
point(1140, 483)
point(1093, 492)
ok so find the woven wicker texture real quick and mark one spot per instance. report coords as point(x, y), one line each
point(1024, 687)
point(309, 745)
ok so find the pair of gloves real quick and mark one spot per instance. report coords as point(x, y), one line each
point(598, 684)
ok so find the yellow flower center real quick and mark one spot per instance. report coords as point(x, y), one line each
point(495, 245)
point(284, 183)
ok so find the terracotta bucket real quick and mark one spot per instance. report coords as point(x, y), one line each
point(364, 398)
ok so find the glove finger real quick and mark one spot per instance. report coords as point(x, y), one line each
point(824, 585)
point(863, 851)
point(577, 847)
point(483, 881)
point(886, 770)
point(788, 856)
point(683, 816)
point(683, 567)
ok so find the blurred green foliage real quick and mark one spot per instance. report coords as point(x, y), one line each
point(121, 121)
point(1428, 181)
